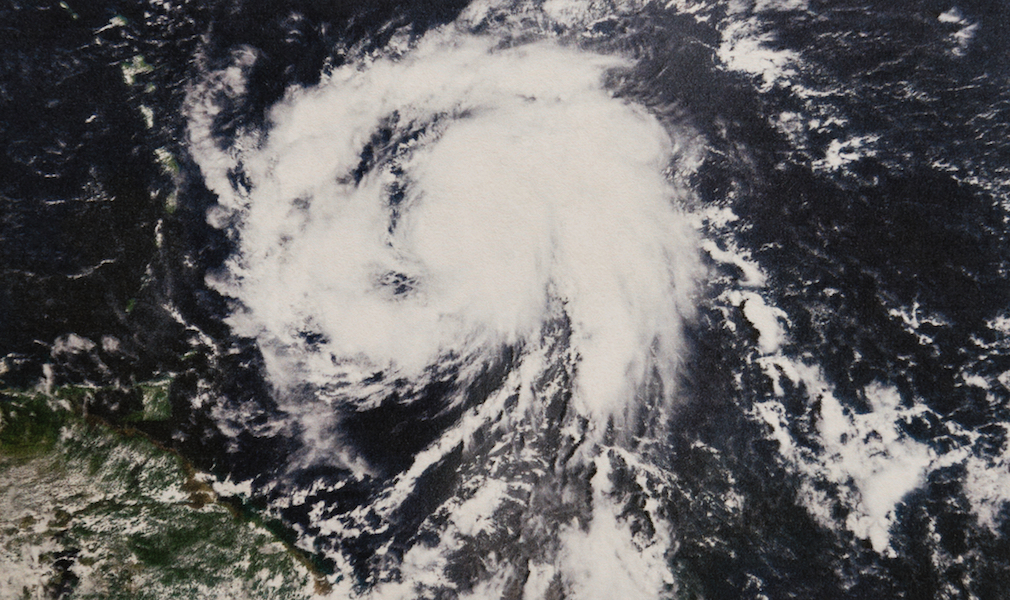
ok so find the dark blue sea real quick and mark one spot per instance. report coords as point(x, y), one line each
point(534, 299)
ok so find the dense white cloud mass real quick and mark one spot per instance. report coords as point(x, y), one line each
point(419, 213)
point(448, 202)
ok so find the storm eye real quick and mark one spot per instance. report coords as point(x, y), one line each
point(396, 286)
point(312, 338)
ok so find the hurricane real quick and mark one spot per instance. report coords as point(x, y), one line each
point(457, 215)
point(462, 206)
point(517, 299)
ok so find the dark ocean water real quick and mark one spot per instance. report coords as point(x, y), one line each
point(839, 414)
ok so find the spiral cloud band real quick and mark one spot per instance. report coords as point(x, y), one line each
point(448, 202)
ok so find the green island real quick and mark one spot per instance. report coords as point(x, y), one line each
point(91, 511)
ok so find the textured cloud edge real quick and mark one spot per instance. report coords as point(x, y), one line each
point(449, 202)
point(427, 212)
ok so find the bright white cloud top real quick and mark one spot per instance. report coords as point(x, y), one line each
point(511, 187)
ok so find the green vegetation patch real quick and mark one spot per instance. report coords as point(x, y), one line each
point(29, 425)
point(134, 68)
point(87, 512)
point(155, 399)
point(167, 160)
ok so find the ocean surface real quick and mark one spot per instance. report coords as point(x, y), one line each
point(505, 299)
